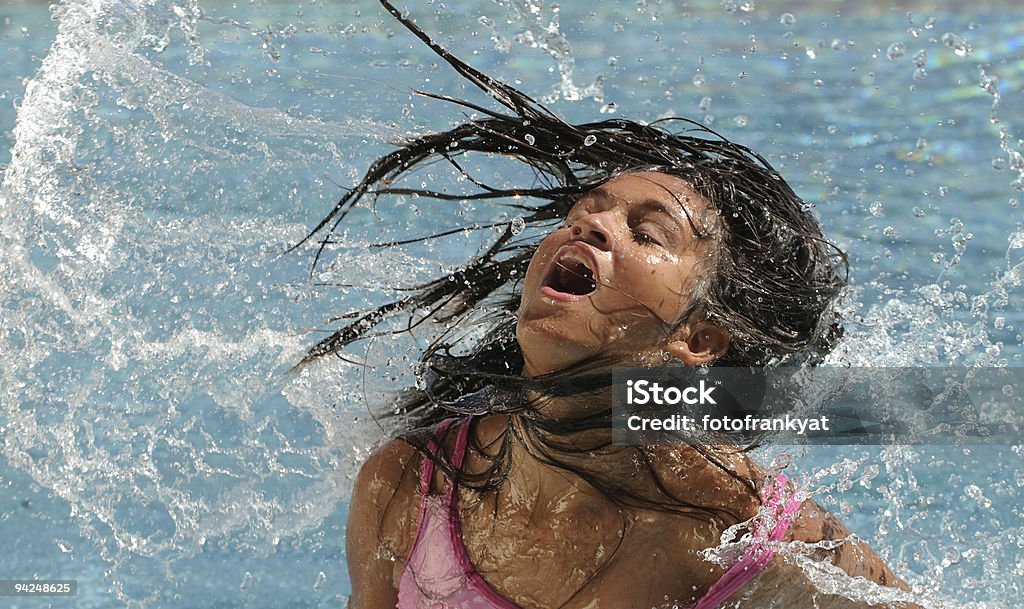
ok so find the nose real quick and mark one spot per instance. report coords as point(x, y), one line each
point(594, 229)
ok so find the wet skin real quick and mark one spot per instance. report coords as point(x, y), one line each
point(638, 236)
point(548, 539)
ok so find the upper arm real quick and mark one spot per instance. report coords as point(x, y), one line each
point(813, 524)
point(855, 557)
point(378, 525)
point(786, 583)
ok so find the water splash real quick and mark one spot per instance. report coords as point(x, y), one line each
point(151, 320)
point(146, 386)
point(543, 31)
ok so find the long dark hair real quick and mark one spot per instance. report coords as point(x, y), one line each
point(773, 285)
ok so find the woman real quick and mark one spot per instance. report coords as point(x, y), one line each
point(674, 250)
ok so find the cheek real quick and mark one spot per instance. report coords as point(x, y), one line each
point(537, 268)
point(665, 286)
point(539, 261)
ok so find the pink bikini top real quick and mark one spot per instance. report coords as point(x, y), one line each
point(439, 574)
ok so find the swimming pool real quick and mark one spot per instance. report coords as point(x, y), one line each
point(163, 157)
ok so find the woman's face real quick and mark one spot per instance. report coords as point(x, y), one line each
point(620, 272)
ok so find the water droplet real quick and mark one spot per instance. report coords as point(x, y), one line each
point(529, 139)
point(590, 140)
point(895, 51)
point(960, 46)
point(877, 209)
point(609, 108)
point(741, 121)
point(920, 74)
point(517, 225)
point(705, 104)
point(787, 19)
point(990, 84)
point(699, 80)
point(999, 163)
point(321, 580)
point(246, 582)
point(974, 492)
point(781, 462)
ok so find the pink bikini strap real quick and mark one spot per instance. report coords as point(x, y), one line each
point(760, 553)
point(433, 445)
point(458, 455)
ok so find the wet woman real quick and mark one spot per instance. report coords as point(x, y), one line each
point(665, 248)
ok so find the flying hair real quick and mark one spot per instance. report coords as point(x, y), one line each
point(772, 284)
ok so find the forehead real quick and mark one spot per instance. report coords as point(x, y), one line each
point(638, 187)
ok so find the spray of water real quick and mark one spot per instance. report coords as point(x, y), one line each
point(164, 157)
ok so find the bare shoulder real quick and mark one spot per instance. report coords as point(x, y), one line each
point(718, 477)
point(385, 468)
point(381, 524)
point(384, 497)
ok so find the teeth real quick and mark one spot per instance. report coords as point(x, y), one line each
point(573, 256)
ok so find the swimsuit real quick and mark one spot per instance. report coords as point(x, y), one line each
point(439, 575)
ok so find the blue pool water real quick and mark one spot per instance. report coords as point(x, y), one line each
point(160, 158)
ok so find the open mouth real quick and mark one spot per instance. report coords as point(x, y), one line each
point(571, 276)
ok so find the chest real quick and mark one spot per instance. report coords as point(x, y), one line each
point(584, 553)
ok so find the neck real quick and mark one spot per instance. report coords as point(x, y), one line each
point(578, 457)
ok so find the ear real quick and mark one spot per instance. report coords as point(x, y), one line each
point(698, 344)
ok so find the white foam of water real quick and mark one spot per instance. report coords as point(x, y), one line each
point(541, 29)
point(143, 429)
point(156, 432)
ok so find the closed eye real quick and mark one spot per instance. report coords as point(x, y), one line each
point(644, 238)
